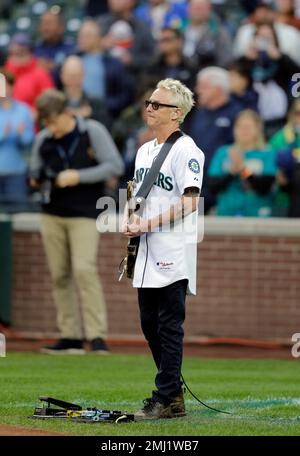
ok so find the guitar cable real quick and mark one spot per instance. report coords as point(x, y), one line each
point(201, 402)
point(269, 418)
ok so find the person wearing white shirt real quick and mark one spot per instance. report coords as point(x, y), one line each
point(165, 269)
point(288, 36)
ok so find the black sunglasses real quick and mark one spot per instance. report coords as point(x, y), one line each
point(156, 105)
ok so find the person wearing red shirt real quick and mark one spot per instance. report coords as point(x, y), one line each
point(30, 78)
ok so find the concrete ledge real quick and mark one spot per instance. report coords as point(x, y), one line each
point(214, 226)
point(236, 226)
point(26, 222)
point(4, 218)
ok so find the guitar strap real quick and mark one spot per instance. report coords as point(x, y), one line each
point(151, 177)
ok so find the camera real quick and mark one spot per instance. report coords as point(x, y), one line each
point(46, 179)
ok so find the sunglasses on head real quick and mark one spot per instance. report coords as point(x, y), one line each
point(156, 105)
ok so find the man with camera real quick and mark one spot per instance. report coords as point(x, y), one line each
point(75, 157)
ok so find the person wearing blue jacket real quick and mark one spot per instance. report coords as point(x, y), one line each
point(16, 135)
point(105, 77)
point(241, 175)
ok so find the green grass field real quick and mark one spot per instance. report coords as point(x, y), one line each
point(263, 395)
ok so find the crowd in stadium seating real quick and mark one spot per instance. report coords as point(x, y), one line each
point(241, 58)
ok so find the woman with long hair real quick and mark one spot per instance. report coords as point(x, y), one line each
point(242, 174)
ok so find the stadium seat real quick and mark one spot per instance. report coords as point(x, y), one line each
point(73, 25)
point(23, 24)
point(25, 17)
point(38, 8)
point(4, 40)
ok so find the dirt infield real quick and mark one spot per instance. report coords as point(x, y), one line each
point(205, 350)
point(6, 430)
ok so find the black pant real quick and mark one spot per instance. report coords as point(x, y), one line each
point(162, 313)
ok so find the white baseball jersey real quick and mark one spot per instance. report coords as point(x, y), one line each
point(170, 254)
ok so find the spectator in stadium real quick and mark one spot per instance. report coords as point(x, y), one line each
point(16, 136)
point(104, 76)
point(210, 123)
point(288, 37)
point(260, 11)
point(230, 13)
point(170, 61)
point(161, 13)
point(79, 104)
point(206, 40)
point(285, 10)
point(286, 143)
point(120, 37)
point(141, 50)
point(271, 72)
point(76, 157)
point(30, 78)
point(52, 48)
point(267, 58)
point(242, 174)
point(241, 84)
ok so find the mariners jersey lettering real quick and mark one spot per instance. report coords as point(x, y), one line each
point(165, 257)
point(162, 181)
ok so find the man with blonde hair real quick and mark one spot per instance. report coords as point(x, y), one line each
point(165, 269)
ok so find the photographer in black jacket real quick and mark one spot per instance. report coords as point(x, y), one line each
point(80, 157)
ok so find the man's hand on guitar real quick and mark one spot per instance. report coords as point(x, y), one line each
point(136, 226)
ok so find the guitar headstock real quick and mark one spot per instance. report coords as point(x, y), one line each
point(130, 188)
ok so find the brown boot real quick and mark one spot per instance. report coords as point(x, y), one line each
point(177, 405)
point(154, 410)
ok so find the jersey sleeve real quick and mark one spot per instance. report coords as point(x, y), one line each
point(189, 167)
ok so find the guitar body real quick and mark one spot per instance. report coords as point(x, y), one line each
point(132, 251)
point(128, 263)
